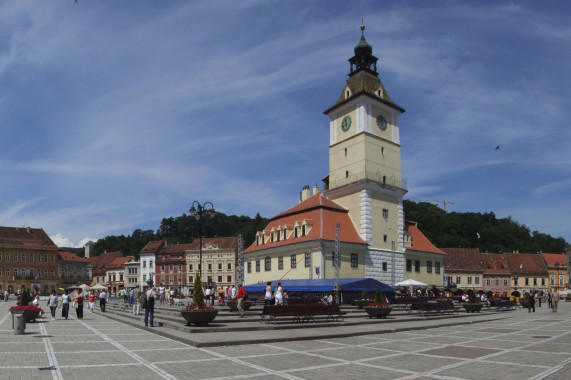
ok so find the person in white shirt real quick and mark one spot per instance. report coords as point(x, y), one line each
point(207, 294)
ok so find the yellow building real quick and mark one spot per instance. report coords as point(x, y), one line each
point(424, 262)
point(363, 193)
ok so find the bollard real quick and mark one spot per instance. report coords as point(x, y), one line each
point(19, 324)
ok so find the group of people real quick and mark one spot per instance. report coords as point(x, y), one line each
point(276, 296)
point(75, 299)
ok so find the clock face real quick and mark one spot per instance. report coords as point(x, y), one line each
point(382, 122)
point(346, 123)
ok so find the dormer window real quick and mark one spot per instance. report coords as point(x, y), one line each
point(295, 232)
point(303, 230)
point(347, 94)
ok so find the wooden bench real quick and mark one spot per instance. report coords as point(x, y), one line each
point(302, 313)
point(433, 308)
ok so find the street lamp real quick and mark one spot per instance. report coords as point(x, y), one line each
point(207, 208)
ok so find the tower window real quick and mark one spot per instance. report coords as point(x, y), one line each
point(347, 94)
point(345, 151)
point(385, 237)
point(385, 213)
point(382, 150)
point(346, 173)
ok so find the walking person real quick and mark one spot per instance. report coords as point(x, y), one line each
point(102, 300)
point(79, 304)
point(240, 297)
point(91, 302)
point(531, 304)
point(150, 306)
point(279, 295)
point(52, 303)
point(549, 299)
point(65, 299)
point(136, 303)
point(555, 297)
point(268, 294)
point(207, 295)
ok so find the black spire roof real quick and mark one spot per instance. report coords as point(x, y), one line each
point(363, 58)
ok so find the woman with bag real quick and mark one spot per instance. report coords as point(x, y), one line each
point(65, 299)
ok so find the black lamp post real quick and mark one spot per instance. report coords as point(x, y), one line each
point(207, 208)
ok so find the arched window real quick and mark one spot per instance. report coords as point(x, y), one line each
point(268, 264)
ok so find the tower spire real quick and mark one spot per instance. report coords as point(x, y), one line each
point(363, 58)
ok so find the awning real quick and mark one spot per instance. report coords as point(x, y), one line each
point(324, 285)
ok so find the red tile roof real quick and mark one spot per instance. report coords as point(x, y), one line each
point(419, 242)
point(555, 259)
point(319, 212)
point(119, 262)
point(463, 259)
point(494, 263)
point(153, 246)
point(174, 248)
point(526, 264)
point(215, 243)
point(68, 256)
point(25, 236)
point(101, 262)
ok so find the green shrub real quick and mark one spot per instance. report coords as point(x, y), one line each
point(198, 292)
point(379, 296)
point(364, 295)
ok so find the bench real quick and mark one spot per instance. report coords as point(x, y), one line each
point(433, 308)
point(302, 313)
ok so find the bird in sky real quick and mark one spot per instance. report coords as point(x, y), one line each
point(498, 147)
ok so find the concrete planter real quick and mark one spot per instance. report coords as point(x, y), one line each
point(233, 305)
point(362, 303)
point(199, 317)
point(472, 307)
point(378, 312)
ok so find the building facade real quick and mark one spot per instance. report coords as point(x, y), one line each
point(72, 269)
point(219, 257)
point(424, 262)
point(132, 270)
point(170, 270)
point(528, 271)
point(463, 268)
point(115, 274)
point(557, 268)
point(148, 259)
point(496, 275)
point(28, 257)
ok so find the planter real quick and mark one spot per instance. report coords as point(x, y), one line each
point(473, 307)
point(233, 305)
point(378, 312)
point(199, 317)
point(362, 303)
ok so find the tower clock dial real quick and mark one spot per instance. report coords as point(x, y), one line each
point(346, 123)
point(382, 122)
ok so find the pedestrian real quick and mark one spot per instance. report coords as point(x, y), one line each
point(279, 295)
point(531, 304)
point(91, 302)
point(136, 303)
point(6, 295)
point(52, 303)
point(549, 299)
point(65, 299)
point(150, 306)
point(268, 295)
point(207, 295)
point(102, 300)
point(286, 297)
point(79, 304)
point(240, 296)
point(555, 300)
point(162, 294)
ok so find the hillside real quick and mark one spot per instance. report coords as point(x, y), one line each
point(477, 230)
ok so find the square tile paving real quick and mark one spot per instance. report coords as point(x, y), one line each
point(461, 352)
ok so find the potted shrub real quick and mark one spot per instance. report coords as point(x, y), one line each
point(473, 305)
point(25, 307)
point(379, 308)
point(525, 301)
point(364, 300)
point(198, 313)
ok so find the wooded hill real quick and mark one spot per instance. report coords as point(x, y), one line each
point(477, 230)
point(453, 229)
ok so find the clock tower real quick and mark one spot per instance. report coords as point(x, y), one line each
point(365, 164)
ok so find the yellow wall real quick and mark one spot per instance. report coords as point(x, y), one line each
point(423, 276)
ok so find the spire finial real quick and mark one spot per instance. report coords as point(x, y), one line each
point(362, 28)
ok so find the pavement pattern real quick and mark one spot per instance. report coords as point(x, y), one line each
point(518, 345)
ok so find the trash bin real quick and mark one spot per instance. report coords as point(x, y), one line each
point(19, 324)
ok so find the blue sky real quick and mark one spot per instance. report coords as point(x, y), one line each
point(115, 114)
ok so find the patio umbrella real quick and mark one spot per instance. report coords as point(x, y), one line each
point(85, 286)
point(410, 283)
point(98, 287)
point(73, 287)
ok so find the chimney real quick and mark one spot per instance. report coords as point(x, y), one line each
point(315, 189)
point(305, 193)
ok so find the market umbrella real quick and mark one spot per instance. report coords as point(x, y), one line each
point(73, 287)
point(85, 286)
point(410, 283)
point(98, 287)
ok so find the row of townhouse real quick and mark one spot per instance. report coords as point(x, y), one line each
point(176, 265)
point(504, 273)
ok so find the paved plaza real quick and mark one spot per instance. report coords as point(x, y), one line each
point(508, 345)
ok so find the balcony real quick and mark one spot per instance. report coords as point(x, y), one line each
point(383, 181)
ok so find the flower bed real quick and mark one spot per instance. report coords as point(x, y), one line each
point(30, 312)
point(361, 303)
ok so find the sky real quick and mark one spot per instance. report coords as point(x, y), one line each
point(116, 114)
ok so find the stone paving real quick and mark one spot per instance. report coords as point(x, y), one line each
point(519, 345)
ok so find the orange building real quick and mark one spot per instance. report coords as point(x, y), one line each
point(28, 257)
point(557, 268)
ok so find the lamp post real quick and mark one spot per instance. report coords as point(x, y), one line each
point(198, 210)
